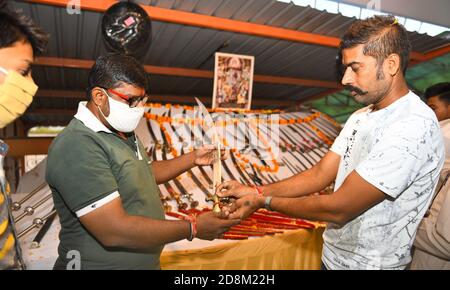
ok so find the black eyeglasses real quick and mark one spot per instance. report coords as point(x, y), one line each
point(132, 101)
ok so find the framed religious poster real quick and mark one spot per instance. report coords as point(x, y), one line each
point(233, 81)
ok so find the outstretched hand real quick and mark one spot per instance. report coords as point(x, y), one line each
point(247, 199)
point(234, 189)
point(243, 207)
point(211, 225)
point(207, 154)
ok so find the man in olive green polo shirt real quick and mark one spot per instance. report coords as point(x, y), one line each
point(104, 190)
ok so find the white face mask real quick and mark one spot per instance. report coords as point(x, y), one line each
point(121, 116)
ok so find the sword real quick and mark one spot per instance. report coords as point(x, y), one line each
point(217, 166)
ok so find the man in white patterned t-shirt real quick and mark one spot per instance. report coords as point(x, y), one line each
point(385, 162)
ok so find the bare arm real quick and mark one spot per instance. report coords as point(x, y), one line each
point(166, 170)
point(353, 198)
point(113, 227)
point(310, 181)
point(169, 169)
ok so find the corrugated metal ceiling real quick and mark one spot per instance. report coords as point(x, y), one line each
point(173, 45)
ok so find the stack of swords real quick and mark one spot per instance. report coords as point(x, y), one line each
point(42, 223)
point(308, 150)
point(260, 223)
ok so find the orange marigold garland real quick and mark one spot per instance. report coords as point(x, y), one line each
point(169, 140)
point(244, 161)
point(321, 135)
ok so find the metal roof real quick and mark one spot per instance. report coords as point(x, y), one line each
point(79, 37)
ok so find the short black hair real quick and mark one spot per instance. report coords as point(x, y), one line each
point(113, 69)
point(15, 26)
point(381, 36)
point(440, 90)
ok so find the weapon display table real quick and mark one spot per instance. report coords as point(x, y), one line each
point(293, 250)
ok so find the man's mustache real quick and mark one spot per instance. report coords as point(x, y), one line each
point(351, 88)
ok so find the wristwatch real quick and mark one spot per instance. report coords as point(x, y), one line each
point(267, 202)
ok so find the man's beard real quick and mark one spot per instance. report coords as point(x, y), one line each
point(365, 97)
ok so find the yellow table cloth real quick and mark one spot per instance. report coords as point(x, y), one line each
point(293, 250)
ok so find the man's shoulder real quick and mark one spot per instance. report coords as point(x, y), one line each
point(413, 114)
point(357, 115)
point(418, 125)
point(418, 109)
point(74, 136)
point(75, 146)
